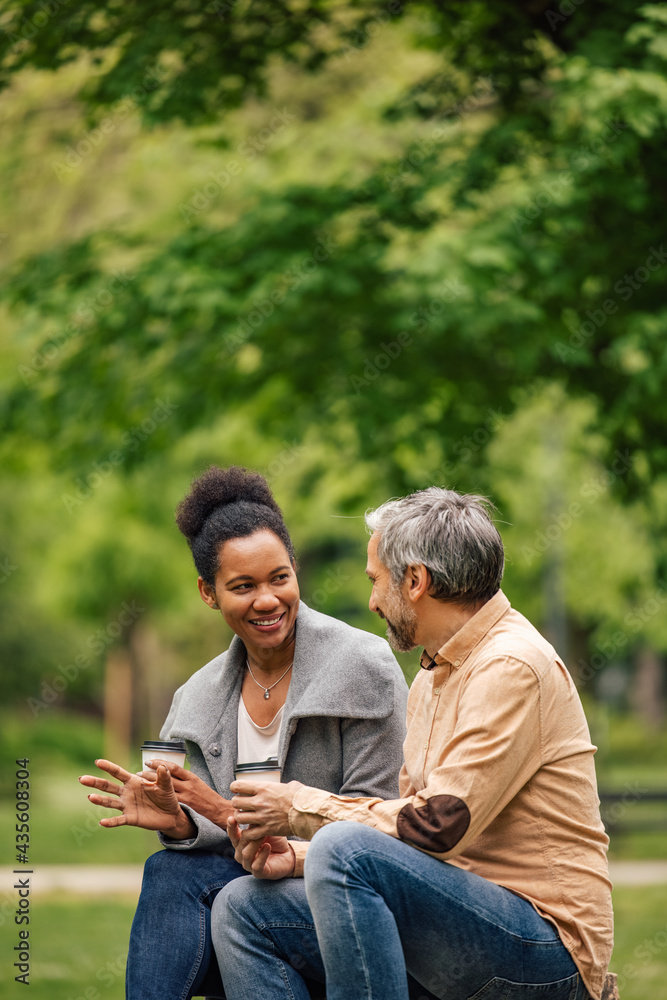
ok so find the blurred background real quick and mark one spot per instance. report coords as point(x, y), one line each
point(362, 248)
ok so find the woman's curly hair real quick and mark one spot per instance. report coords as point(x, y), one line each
point(224, 504)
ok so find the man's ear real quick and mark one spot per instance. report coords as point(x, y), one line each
point(417, 581)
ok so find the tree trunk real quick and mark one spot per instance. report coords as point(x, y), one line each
point(118, 707)
point(647, 689)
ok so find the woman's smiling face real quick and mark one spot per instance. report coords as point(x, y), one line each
point(257, 591)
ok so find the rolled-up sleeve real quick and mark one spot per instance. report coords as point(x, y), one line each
point(473, 772)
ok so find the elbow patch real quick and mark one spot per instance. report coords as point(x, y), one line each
point(436, 826)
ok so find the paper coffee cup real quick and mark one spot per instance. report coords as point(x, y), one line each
point(173, 750)
point(261, 770)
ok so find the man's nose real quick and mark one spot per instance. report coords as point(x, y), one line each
point(372, 603)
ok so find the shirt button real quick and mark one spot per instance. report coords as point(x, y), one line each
point(214, 750)
point(457, 663)
point(426, 746)
point(436, 690)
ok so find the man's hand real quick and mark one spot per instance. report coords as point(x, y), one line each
point(192, 791)
point(149, 804)
point(271, 858)
point(264, 807)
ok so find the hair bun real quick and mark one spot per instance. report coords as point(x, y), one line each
point(219, 487)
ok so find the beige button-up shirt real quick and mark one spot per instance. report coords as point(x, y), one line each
point(499, 779)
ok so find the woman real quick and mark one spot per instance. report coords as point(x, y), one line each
point(328, 700)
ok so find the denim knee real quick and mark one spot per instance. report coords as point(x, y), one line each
point(170, 874)
point(230, 906)
point(166, 864)
point(335, 843)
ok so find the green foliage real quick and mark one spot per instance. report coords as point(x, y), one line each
point(354, 243)
point(300, 300)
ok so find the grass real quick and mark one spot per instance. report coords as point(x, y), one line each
point(63, 824)
point(640, 952)
point(79, 947)
point(64, 828)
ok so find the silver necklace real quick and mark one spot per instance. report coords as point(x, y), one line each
point(267, 689)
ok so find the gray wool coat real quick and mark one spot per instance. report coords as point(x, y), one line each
point(342, 729)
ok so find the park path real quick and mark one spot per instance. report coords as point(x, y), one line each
point(125, 880)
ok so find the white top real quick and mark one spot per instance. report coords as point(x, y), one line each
point(257, 742)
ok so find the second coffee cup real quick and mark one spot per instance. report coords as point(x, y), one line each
point(261, 770)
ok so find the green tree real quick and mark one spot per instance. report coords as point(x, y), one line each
point(537, 191)
point(371, 232)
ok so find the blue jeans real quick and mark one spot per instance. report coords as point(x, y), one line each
point(171, 956)
point(385, 921)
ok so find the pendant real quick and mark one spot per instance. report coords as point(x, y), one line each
point(266, 693)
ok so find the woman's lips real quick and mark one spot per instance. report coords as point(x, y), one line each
point(271, 624)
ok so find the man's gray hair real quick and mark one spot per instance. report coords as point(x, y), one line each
point(450, 533)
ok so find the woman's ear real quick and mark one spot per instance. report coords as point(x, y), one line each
point(207, 593)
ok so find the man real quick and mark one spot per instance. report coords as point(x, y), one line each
point(488, 877)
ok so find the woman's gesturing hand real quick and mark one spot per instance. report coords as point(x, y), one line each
point(192, 791)
point(264, 807)
point(271, 858)
point(152, 805)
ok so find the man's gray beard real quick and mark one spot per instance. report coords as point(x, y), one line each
point(400, 639)
point(401, 623)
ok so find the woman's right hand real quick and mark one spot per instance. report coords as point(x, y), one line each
point(152, 805)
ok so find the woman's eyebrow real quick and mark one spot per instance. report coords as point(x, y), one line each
point(246, 576)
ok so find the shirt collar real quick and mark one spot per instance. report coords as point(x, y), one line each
point(457, 649)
